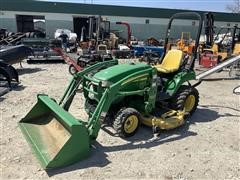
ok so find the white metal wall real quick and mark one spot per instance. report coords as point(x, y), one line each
point(155, 28)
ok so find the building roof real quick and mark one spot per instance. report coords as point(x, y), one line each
point(94, 9)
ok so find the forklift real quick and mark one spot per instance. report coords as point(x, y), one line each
point(94, 43)
point(225, 44)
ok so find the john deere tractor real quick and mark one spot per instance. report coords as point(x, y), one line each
point(122, 95)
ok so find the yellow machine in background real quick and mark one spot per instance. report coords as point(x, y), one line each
point(186, 43)
point(236, 50)
point(215, 50)
point(224, 46)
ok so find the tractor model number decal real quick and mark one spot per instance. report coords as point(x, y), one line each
point(134, 79)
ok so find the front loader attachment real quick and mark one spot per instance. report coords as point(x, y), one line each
point(56, 137)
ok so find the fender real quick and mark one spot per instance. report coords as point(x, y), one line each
point(174, 84)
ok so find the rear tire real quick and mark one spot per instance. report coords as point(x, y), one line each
point(126, 122)
point(186, 97)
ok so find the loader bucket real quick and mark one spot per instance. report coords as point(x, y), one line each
point(56, 137)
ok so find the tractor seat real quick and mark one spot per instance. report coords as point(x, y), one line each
point(171, 62)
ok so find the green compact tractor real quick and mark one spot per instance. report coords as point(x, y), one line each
point(122, 95)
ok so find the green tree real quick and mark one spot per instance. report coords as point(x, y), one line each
point(234, 7)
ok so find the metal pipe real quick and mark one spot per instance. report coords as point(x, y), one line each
point(129, 31)
point(220, 66)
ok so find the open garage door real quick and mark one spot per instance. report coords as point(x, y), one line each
point(27, 23)
point(79, 23)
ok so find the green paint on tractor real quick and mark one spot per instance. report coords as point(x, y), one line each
point(172, 85)
point(112, 92)
point(116, 73)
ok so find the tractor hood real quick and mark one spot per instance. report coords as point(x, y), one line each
point(116, 73)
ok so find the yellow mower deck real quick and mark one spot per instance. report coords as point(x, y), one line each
point(168, 120)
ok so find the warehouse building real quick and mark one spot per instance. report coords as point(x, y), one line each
point(26, 15)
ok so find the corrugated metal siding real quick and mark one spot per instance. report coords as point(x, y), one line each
point(92, 9)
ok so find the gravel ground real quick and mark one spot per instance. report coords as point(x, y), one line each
point(207, 147)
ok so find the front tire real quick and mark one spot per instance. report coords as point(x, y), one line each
point(72, 70)
point(126, 122)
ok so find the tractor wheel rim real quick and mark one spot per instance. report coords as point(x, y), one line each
point(131, 124)
point(189, 103)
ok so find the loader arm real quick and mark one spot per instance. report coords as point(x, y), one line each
point(70, 92)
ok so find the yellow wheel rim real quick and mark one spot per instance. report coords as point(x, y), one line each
point(131, 124)
point(189, 103)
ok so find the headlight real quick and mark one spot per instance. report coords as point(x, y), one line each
point(106, 83)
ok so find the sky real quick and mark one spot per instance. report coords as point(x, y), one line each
point(204, 5)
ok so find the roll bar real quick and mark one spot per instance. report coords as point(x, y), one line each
point(185, 15)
